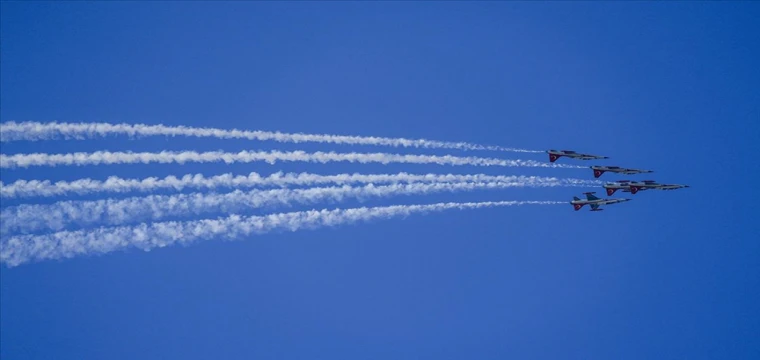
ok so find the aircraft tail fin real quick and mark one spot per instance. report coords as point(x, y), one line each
point(598, 173)
point(553, 157)
point(635, 189)
point(577, 206)
point(591, 196)
point(611, 191)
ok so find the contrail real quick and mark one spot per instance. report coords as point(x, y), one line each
point(66, 244)
point(271, 157)
point(57, 216)
point(113, 184)
point(30, 130)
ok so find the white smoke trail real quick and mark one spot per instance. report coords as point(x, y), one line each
point(66, 244)
point(29, 188)
point(27, 218)
point(12, 131)
point(271, 157)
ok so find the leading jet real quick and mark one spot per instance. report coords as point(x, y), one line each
point(556, 154)
point(637, 186)
point(599, 170)
point(594, 201)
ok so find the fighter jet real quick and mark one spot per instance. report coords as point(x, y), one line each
point(594, 201)
point(611, 187)
point(556, 154)
point(599, 170)
point(637, 186)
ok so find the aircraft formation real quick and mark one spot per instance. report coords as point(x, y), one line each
point(628, 186)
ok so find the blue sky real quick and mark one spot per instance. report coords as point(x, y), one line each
point(671, 87)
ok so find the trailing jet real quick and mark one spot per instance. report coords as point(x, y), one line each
point(556, 154)
point(594, 201)
point(637, 186)
point(599, 170)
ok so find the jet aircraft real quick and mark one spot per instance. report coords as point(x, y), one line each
point(637, 186)
point(594, 201)
point(599, 170)
point(611, 187)
point(556, 154)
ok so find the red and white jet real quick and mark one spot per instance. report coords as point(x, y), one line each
point(599, 170)
point(556, 154)
point(637, 186)
point(594, 202)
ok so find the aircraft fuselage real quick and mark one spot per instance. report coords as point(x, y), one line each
point(648, 185)
point(556, 154)
point(594, 202)
point(599, 170)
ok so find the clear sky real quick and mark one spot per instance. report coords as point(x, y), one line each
point(671, 87)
